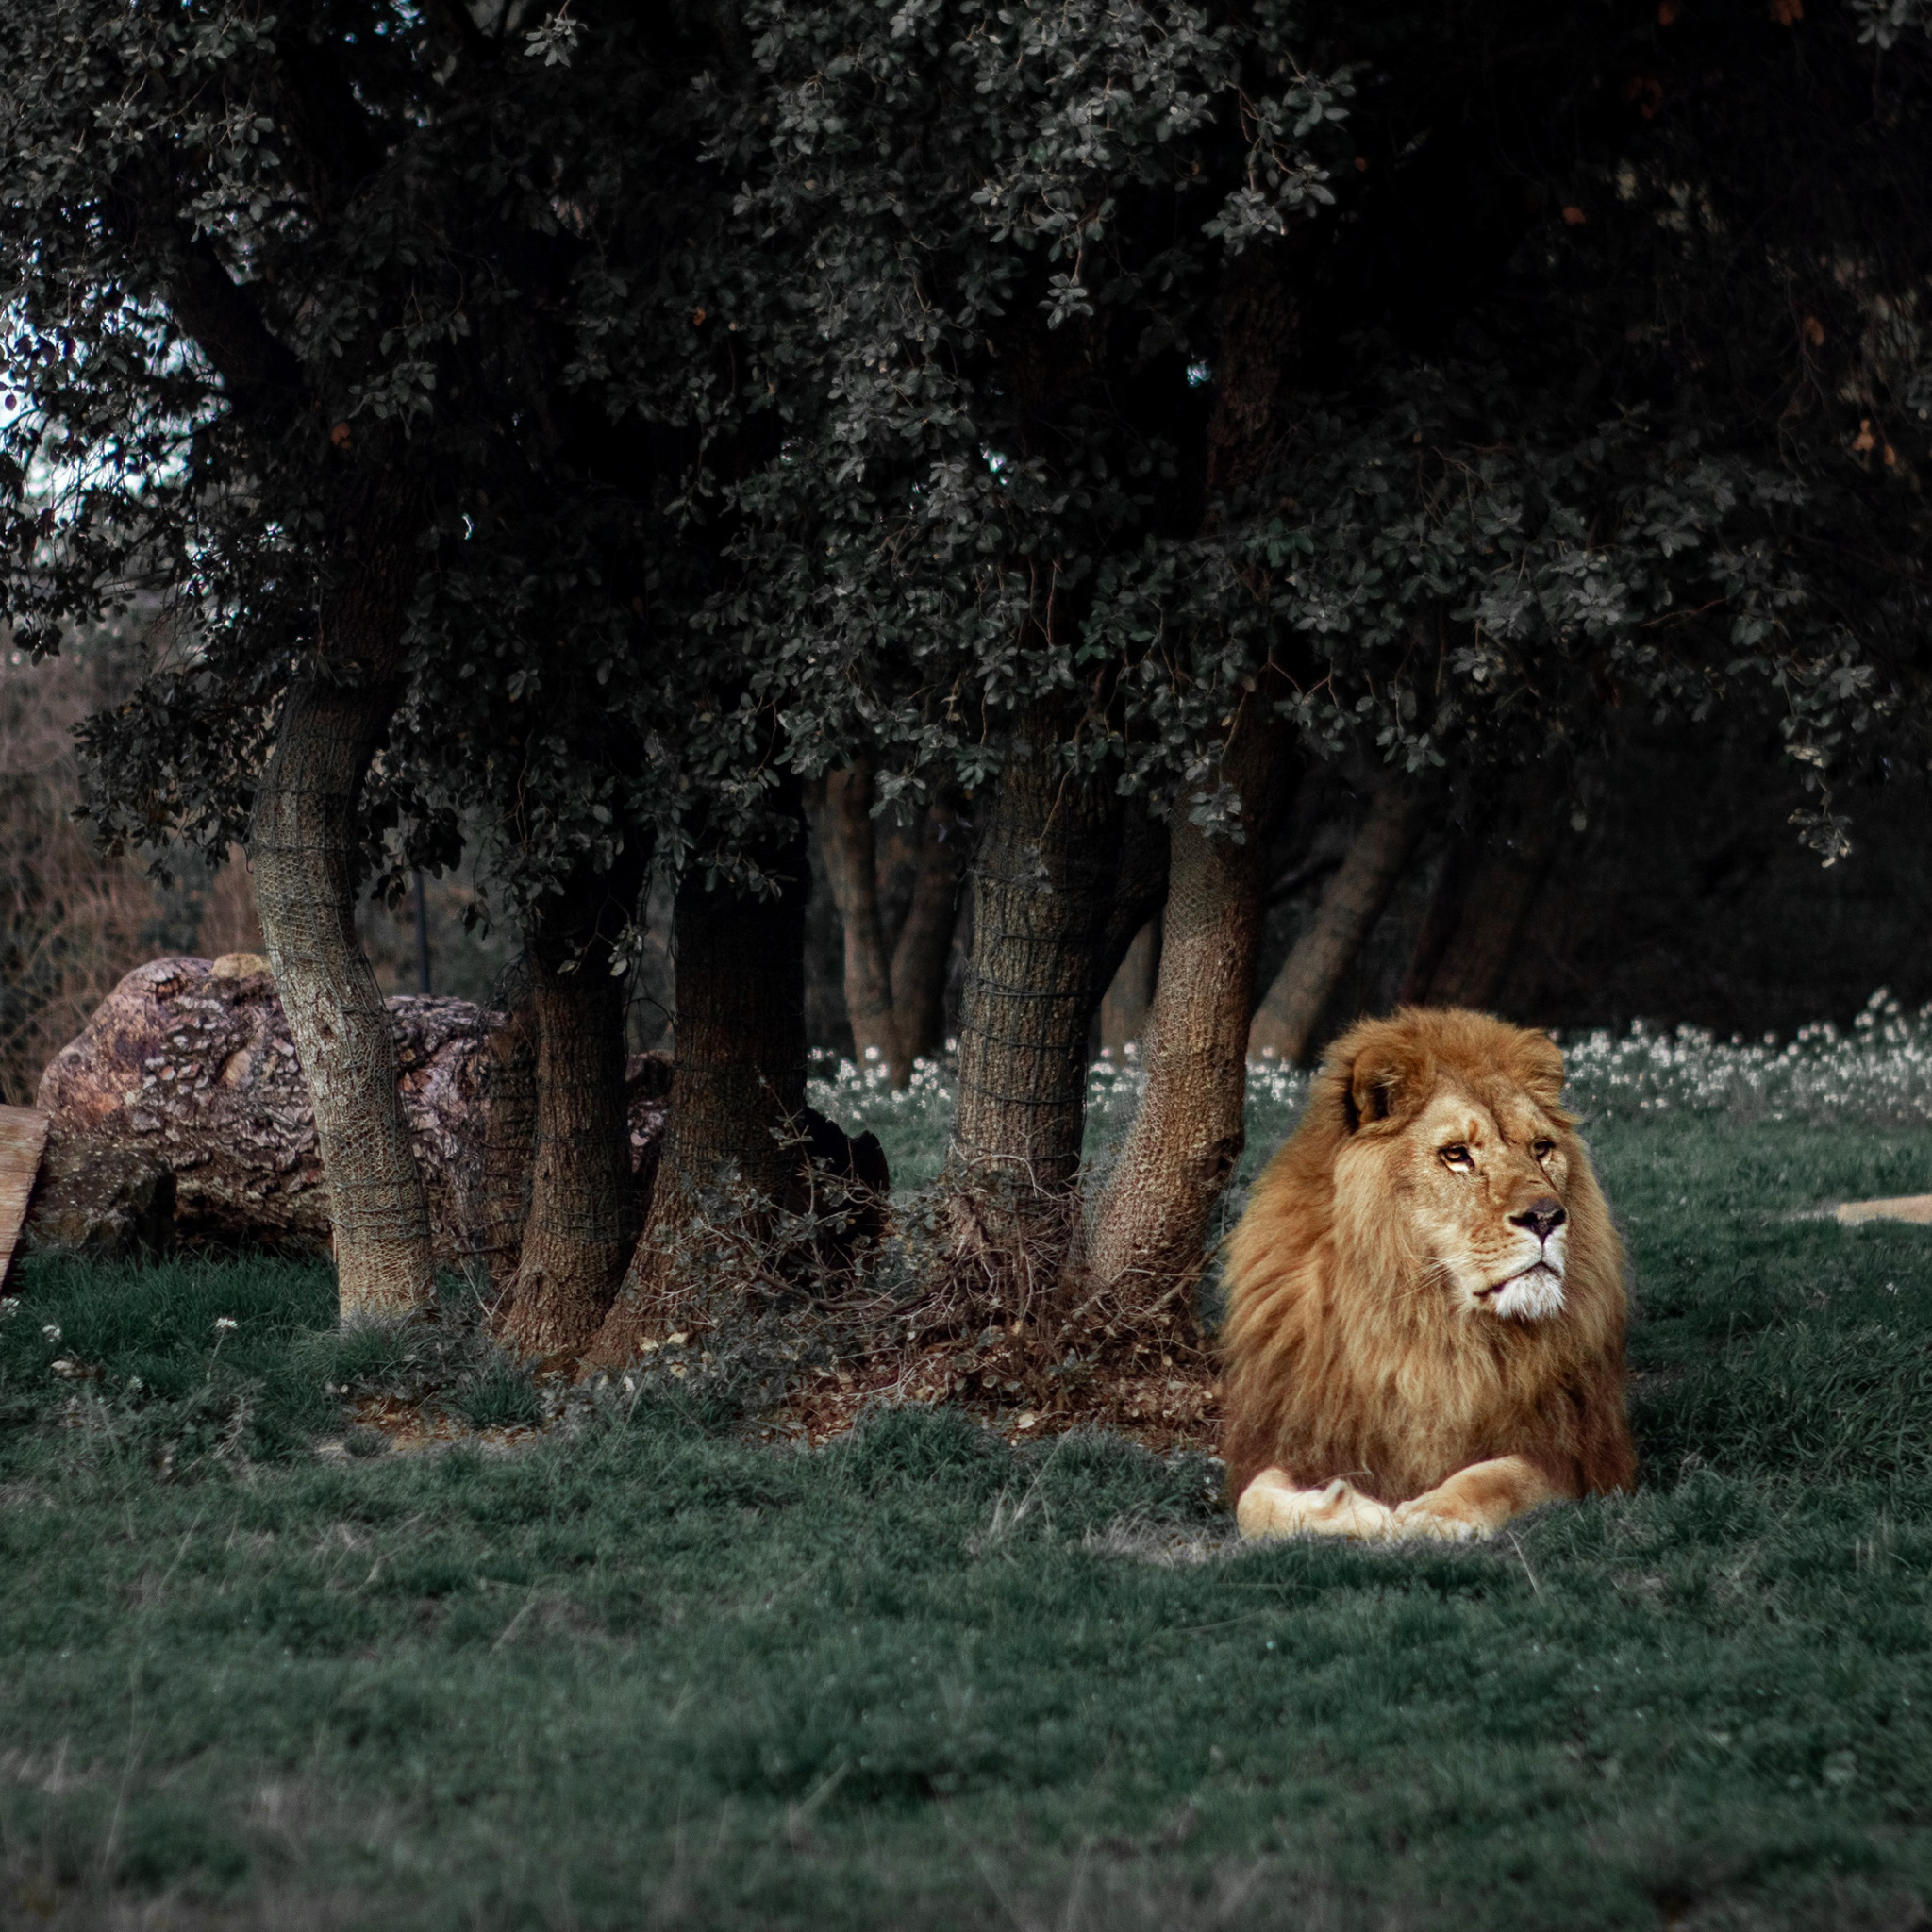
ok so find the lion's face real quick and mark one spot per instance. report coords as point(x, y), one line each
point(1486, 1191)
point(1474, 1178)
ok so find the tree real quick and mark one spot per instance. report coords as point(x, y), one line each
point(932, 540)
point(895, 981)
point(1192, 367)
point(1098, 408)
point(316, 330)
point(1352, 900)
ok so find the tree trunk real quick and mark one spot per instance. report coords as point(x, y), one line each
point(1344, 916)
point(850, 846)
point(23, 1139)
point(896, 1006)
point(303, 850)
point(583, 1220)
point(510, 1142)
point(1477, 958)
point(737, 1089)
point(1043, 889)
point(1447, 898)
point(1189, 1132)
point(1124, 1006)
point(1140, 888)
point(924, 944)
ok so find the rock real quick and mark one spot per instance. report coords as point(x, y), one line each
point(181, 1113)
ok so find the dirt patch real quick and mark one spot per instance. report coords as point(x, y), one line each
point(1158, 1390)
point(411, 1428)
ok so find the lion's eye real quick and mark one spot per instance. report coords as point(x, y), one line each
point(1541, 1150)
point(1458, 1159)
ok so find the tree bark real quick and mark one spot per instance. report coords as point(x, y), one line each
point(1130, 995)
point(924, 945)
point(510, 1142)
point(1043, 886)
point(850, 846)
point(737, 1113)
point(303, 852)
point(1344, 916)
point(303, 848)
point(1495, 906)
point(583, 1218)
point(1140, 888)
point(1189, 1132)
point(1439, 921)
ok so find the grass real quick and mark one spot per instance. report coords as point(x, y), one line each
point(648, 1673)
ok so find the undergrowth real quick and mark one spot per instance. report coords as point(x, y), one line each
point(648, 1670)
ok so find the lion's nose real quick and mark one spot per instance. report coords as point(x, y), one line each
point(1541, 1217)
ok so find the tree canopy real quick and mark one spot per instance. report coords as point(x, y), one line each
point(874, 368)
point(571, 432)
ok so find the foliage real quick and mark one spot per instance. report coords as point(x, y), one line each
point(920, 1676)
point(1535, 281)
point(1004, 223)
point(1876, 1073)
point(286, 289)
point(764, 388)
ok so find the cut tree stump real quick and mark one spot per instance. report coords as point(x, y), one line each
point(23, 1137)
point(1912, 1208)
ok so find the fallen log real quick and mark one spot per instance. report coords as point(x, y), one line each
point(23, 1135)
point(180, 1114)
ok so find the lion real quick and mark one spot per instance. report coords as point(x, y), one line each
point(1426, 1296)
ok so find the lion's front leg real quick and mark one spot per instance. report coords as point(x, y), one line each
point(1476, 1501)
point(1272, 1507)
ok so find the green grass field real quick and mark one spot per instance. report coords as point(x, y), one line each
point(647, 1673)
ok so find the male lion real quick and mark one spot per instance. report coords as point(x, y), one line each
point(1425, 1322)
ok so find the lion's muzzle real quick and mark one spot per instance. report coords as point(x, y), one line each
point(1542, 1218)
point(1535, 1291)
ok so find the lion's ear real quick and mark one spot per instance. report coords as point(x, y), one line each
point(1540, 1067)
point(1385, 1079)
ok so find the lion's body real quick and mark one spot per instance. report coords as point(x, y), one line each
point(1363, 1341)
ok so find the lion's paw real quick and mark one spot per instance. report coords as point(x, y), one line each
point(1413, 1521)
point(1270, 1506)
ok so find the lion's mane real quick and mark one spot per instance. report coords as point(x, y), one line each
point(1335, 1369)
